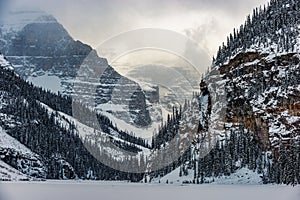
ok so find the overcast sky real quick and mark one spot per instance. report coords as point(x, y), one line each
point(93, 21)
point(207, 22)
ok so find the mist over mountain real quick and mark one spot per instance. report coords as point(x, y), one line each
point(42, 51)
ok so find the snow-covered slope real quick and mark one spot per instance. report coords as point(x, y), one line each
point(20, 157)
point(8, 173)
point(51, 82)
point(13, 152)
point(6, 141)
point(42, 121)
point(97, 136)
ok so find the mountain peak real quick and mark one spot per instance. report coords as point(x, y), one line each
point(40, 48)
point(16, 20)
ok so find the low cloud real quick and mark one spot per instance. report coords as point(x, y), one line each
point(93, 21)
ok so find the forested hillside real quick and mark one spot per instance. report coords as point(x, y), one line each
point(257, 126)
point(34, 117)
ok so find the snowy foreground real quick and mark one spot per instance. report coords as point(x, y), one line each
point(73, 190)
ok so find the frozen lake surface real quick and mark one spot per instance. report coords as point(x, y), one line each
point(82, 190)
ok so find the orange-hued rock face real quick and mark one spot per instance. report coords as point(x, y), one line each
point(263, 95)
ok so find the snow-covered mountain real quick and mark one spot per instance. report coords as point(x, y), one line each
point(242, 127)
point(40, 138)
point(43, 52)
point(262, 73)
point(249, 103)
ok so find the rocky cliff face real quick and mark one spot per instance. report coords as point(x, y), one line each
point(263, 95)
point(253, 112)
point(43, 52)
point(260, 69)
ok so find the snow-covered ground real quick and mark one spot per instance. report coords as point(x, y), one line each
point(73, 190)
point(145, 133)
point(242, 176)
point(86, 131)
point(6, 141)
point(50, 82)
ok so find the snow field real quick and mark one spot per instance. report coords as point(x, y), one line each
point(73, 190)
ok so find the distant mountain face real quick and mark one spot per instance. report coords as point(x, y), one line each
point(43, 52)
point(173, 85)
